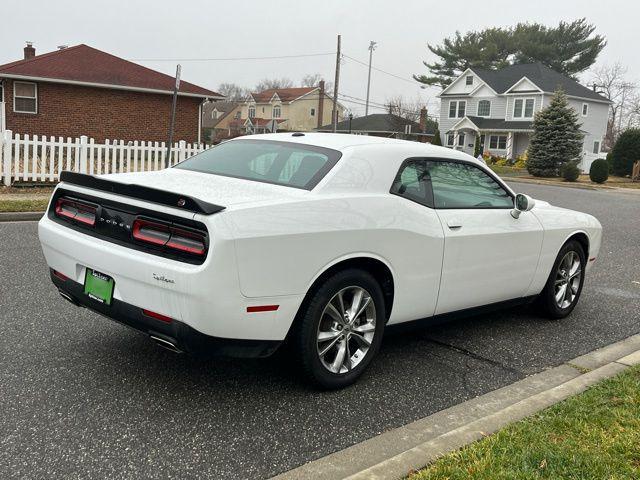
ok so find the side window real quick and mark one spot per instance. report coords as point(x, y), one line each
point(412, 182)
point(460, 185)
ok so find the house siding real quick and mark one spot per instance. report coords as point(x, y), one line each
point(101, 113)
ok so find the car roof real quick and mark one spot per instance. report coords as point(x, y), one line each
point(342, 142)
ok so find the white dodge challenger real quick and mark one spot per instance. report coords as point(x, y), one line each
point(323, 240)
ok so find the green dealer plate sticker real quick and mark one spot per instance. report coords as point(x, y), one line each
point(98, 286)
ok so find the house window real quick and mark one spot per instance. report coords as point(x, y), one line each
point(252, 111)
point(469, 80)
point(523, 108)
point(596, 147)
point(313, 112)
point(276, 111)
point(450, 139)
point(484, 108)
point(238, 114)
point(457, 108)
point(498, 142)
point(585, 110)
point(461, 140)
point(25, 97)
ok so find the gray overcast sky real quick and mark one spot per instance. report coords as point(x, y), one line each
point(199, 29)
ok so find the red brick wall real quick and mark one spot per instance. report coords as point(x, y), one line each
point(100, 113)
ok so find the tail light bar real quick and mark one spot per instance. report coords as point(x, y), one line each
point(169, 236)
point(77, 211)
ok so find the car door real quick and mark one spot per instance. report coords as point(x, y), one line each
point(489, 256)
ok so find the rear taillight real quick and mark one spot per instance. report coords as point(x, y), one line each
point(157, 316)
point(78, 211)
point(169, 237)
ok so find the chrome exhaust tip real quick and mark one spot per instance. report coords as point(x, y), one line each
point(166, 344)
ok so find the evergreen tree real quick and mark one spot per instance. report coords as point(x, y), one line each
point(556, 138)
point(568, 48)
point(626, 151)
point(436, 138)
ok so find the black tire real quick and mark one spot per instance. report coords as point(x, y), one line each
point(547, 303)
point(305, 333)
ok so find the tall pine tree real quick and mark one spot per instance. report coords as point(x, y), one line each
point(556, 138)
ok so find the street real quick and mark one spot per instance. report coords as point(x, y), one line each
point(84, 397)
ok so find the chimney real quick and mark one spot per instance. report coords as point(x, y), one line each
point(320, 111)
point(424, 115)
point(29, 51)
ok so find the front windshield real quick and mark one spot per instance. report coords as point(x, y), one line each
point(282, 163)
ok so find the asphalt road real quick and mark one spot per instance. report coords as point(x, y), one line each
point(83, 397)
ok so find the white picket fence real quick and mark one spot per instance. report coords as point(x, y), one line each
point(38, 159)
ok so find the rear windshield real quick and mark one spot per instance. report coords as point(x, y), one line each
point(281, 163)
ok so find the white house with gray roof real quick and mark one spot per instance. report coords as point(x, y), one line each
point(498, 107)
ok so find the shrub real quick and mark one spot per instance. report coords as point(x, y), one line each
point(626, 151)
point(610, 162)
point(436, 138)
point(570, 171)
point(521, 161)
point(599, 171)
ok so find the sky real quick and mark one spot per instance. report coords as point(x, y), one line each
point(149, 31)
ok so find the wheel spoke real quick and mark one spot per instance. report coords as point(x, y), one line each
point(326, 336)
point(575, 273)
point(333, 312)
point(341, 303)
point(366, 328)
point(560, 294)
point(347, 357)
point(355, 303)
point(328, 347)
point(364, 305)
point(339, 360)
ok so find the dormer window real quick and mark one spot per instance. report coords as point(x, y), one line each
point(469, 80)
point(276, 111)
point(252, 111)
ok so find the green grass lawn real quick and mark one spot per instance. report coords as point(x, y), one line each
point(594, 435)
point(26, 205)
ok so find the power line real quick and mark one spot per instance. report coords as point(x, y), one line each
point(225, 59)
point(412, 81)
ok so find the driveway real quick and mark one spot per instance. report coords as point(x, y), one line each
point(83, 397)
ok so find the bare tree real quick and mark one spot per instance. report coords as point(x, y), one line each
point(401, 107)
point(269, 83)
point(314, 79)
point(624, 112)
point(233, 91)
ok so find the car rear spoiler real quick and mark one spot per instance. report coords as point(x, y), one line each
point(153, 195)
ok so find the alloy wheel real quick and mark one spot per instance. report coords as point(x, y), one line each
point(346, 329)
point(568, 278)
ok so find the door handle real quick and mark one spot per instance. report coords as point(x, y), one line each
point(454, 223)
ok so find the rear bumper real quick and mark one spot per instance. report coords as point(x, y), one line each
point(176, 333)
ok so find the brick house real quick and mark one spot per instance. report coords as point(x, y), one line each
point(83, 91)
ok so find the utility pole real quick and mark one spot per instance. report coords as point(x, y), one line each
point(372, 47)
point(176, 87)
point(334, 113)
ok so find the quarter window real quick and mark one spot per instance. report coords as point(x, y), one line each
point(498, 142)
point(412, 182)
point(25, 97)
point(313, 112)
point(484, 108)
point(459, 185)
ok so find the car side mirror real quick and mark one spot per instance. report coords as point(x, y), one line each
point(522, 203)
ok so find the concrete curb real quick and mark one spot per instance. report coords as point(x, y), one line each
point(633, 191)
point(393, 454)
point(20, 216)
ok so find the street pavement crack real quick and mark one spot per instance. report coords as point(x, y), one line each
point(475, 356)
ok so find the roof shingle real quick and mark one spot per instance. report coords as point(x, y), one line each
point(85, 64)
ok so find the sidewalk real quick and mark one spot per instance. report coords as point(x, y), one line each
point(396, 453)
